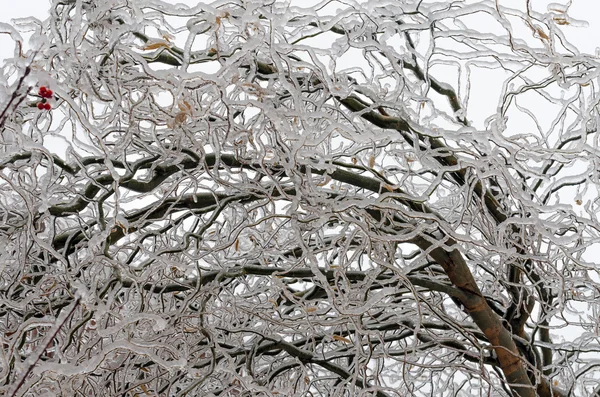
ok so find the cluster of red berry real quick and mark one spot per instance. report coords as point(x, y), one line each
point(45, 93)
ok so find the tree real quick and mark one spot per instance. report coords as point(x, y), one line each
point(264, 198)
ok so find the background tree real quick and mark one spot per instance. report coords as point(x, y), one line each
point(265, 198)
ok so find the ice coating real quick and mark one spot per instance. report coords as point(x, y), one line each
point(294, 198)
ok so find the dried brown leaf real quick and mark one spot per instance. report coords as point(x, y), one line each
point(156, 45)
point(341, 339)
point(542, 34)
point(185, 106)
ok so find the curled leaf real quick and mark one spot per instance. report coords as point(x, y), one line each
point(325, 181)
point(185, 106)
point(341, 339)
point(541, 33)
point(156, 45)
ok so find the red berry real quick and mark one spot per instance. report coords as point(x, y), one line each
point(43, 89)
point(40, 105)
point(47, 106)
point(49, 94)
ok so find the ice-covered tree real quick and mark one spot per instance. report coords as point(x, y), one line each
point(275, 198)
